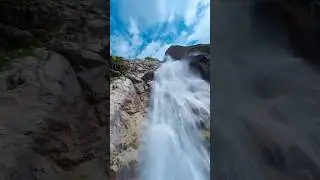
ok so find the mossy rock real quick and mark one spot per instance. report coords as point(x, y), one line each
point(150, 58)
point(206, 136)
point(119, 66)
point(7, 55)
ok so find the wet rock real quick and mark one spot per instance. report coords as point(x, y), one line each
point(198, 56)
point(179, 52)
point(201, 64)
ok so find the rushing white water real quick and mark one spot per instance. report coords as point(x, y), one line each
point(173, 146)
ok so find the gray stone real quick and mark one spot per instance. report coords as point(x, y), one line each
point(148, 76)
point(134, 79)
point(95, 79)
point(8, 101)
point(80, 58)
point(95, 45)
point(41, 53)
point(91, 170)
point(97, 27)
point(139, 88)
point(91, 59)
point(44, 84)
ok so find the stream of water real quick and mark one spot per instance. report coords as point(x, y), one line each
point(174, 148)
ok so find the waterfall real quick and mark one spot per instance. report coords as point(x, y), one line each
point(173, 147)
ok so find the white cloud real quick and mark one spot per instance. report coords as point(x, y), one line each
point(152, 12)
point(154, 49)
point(134, 32)
point(133, 29)
point(142, 15)
point(171, 17)
point(159, 54)
point(201, 31)
point(150, 49)
point(127, 46)
point(190, 13)
point(182, 39)
point(121, 46)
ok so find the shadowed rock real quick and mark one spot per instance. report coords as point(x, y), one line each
point(198, 55)
point(264, 120)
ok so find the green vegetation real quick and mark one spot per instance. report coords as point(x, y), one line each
point(119, 66)
point(150, 58)
point(201, 48)
point(206, 137)
point(6, 56)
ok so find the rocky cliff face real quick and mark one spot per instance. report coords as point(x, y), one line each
point(129, 96)
point(265, 120)
point(54, 93)
point(56, 98)
point(198, 55)
point(50, 124)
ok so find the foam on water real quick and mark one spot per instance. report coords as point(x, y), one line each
point(173, 147)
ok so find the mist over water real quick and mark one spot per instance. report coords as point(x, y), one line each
point(173, 147)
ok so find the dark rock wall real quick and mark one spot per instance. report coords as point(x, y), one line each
point(265, 100)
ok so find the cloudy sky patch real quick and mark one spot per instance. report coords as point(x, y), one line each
point(141, 28)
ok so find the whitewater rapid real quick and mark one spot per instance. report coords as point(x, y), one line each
point(173, 147)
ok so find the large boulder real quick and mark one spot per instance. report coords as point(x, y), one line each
point(179, 52)
point(198, 55)
point(80, 58)
point(52, 126)
point(31, 91)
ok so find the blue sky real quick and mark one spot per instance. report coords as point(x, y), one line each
point(141, 28)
